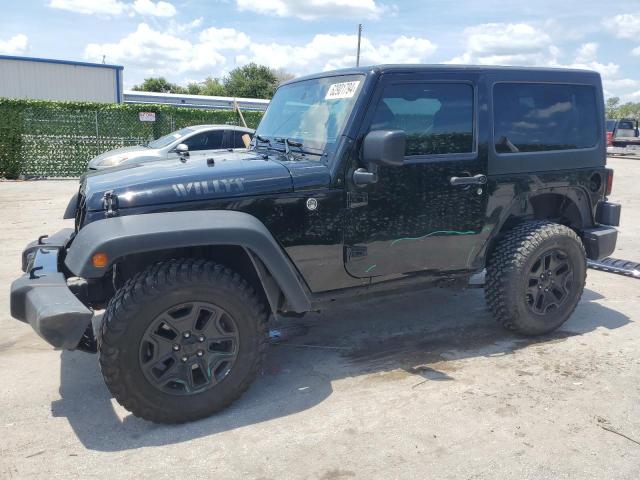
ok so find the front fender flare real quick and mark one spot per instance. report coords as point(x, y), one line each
point(133, 234)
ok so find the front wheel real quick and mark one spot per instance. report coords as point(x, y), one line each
point(535, 277)
point(182, 340)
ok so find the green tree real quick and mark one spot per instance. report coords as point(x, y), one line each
point(160, 85)
point(629, 110)
point(194, 88)
point(212, 86)
point(283, 76)
point(253, 81)
point(615, 109)
point(611, 107)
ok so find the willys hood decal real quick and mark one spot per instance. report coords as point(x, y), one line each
point(220, 175)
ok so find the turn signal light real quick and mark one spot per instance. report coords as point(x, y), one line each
point(100, 260)
point(609, 182)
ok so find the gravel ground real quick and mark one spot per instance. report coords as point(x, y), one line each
point(420, 385)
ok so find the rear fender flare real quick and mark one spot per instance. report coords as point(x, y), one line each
point(520, 206)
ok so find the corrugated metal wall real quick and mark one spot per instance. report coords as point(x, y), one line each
point(43, 80)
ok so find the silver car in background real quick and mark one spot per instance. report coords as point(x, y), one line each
point(199, 140)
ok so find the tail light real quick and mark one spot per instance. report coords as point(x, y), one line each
point(609, 139)
point(607, 191)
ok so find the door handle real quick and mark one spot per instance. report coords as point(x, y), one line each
point(479, 179)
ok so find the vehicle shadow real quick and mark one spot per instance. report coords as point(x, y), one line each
point(411, 334)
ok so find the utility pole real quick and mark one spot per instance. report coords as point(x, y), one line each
point(359, 36)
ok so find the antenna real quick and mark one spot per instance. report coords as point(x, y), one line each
point(359, 36)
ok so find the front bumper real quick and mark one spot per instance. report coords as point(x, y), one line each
point(42, 298)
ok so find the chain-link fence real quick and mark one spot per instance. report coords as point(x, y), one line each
point(57, 139)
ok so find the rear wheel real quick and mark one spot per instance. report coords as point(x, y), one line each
point(182, 340)
point(535, 277)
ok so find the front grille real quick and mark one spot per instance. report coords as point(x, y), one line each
point(81, 210)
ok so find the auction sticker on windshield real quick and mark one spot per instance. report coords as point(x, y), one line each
point(342, 90)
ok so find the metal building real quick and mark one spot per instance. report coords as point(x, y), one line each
point(195, 101)
point(46, 79)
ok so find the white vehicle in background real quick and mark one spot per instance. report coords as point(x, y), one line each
point(623, 137)
point(198, 140)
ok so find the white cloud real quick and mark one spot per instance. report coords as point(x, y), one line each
point(328, 52)
point(626, 25)
point(16, 45)
point(214, 50)
point(525, 45)
point(507, 44)
point(587, 58)
point(623, 83)
point(158, 53)
point(587, 53)
point(310, 9)
point(154, 9)
point(116, 7)
point(90, 7)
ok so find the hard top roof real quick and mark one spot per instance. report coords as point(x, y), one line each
point(411, 68)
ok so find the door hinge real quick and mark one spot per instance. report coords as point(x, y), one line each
point(357, 199)
point(354, 253)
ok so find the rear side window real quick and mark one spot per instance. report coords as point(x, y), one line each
point(543, 117)
point(211, 140)
point(438, 118)
point(237, 139)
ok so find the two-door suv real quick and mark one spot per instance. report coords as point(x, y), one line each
point(359, 180)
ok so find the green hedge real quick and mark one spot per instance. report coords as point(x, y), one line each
point(57, 139)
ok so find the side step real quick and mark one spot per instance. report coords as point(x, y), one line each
point(613, 265)
point(610, 265)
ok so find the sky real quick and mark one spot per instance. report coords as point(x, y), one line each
point(189, 40)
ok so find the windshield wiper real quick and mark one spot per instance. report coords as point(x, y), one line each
point(289, 142)
point(260, 138)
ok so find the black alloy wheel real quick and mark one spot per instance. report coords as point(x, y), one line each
point(535, 276)
point(550, 282)
point(189, 348)
point(181, 340)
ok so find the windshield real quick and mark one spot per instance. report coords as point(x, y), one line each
point(170, 138)
point(611, 124)
point(312, 112)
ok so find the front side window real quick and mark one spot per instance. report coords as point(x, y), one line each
point(170, 138)
point(437, 117)
point(313, 112)
point(533, 117)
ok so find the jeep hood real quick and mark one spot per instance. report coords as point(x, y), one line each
point(220, 175)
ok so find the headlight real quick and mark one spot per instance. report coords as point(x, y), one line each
point(113, 161)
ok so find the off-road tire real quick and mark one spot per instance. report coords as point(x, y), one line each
point(141, 299)
point(508, 271)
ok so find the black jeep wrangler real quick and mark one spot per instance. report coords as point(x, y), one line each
point(359, 180)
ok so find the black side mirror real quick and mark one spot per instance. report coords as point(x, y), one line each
point(380, 147)
point(384, 147)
